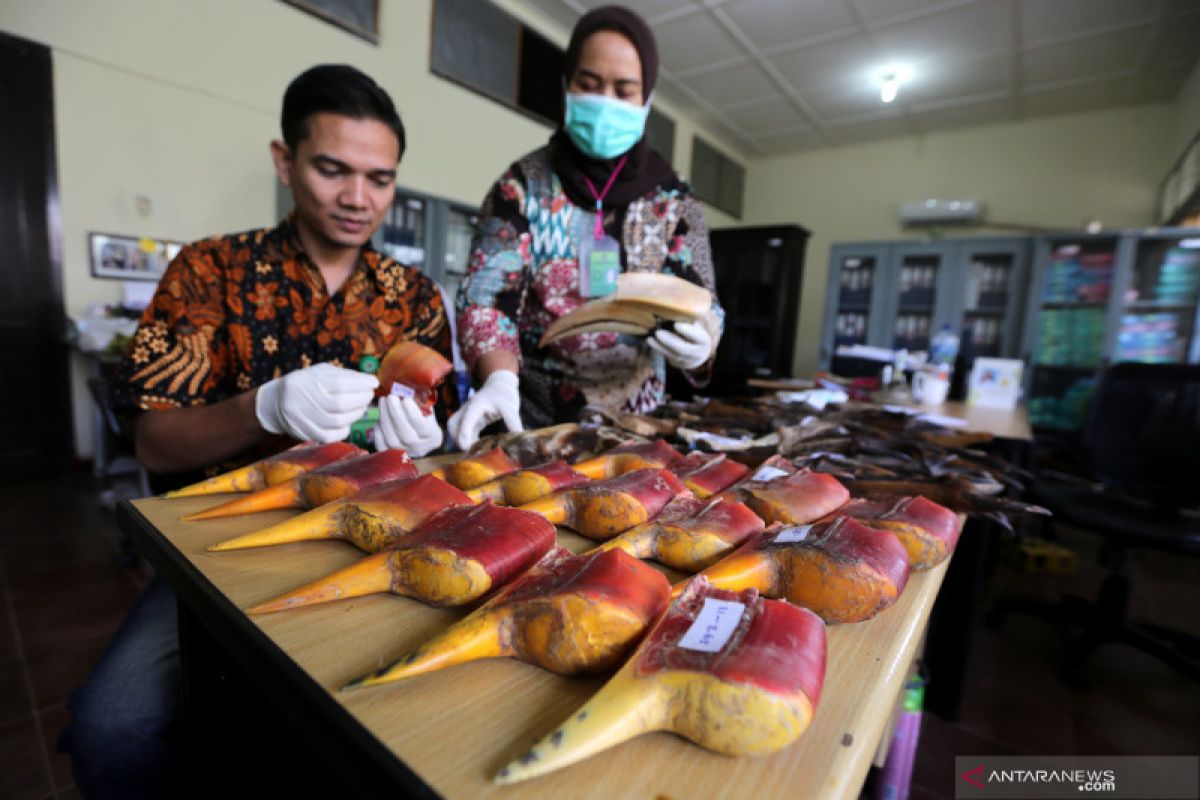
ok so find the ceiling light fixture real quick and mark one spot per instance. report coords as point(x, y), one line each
point(889, 79)
point(889, 87)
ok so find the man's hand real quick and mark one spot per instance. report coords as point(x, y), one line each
point(498, 398)
point(317, 403)
point(403, 426)
point(687, 348)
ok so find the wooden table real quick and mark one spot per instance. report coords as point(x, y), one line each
point(451, 731)
point(1003, 423)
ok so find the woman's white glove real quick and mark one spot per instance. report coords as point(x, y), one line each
point(317, 403)
point(687, 348)
point(498, 398)
point(403, 426)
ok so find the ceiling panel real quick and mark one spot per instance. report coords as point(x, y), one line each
point(875, 10)
point(966, 69)
point(837, 102)
point(958, 33)
point(1162, 85)
point(1098, 55)
point(982, 112)
point(693, 41)
point(774, 23)
point(1042, 20)
point(1091, 97)
point(829, 63)
point(1179, 43)
point(732, 84)
point(767, 114)
point(650, 9)
point(960, 78)
point(871, 130)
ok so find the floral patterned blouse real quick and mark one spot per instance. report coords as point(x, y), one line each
point(233, 312)
point(523, 274)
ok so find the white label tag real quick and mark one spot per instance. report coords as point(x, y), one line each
point(769, 473)
point(713, 626)
point(401, 391)
point(795, 533)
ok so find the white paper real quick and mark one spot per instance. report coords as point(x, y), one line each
point(793, 533)
point(769, 473)
point(713, 626)
point(941, 419)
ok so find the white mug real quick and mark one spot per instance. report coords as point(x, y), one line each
point(930, 388)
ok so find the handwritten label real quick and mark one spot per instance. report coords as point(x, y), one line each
point(795, 533)
point(402, 391)
point(713, 626)
point(769, 473)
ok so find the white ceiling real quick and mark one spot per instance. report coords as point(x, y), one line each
point(782, 76)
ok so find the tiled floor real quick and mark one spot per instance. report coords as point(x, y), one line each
point(63, 593)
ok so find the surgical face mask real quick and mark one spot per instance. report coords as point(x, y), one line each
point(604, 127)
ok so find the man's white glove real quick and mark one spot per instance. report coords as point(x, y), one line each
point(498, 398)
point(317, 403)
point(403, 426)
point(688, 347)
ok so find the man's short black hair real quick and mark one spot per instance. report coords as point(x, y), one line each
point(335, 89)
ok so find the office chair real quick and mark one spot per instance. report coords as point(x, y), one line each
point(1141, 448)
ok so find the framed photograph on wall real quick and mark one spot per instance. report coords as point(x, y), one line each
point(130, 258)
point(360, 17)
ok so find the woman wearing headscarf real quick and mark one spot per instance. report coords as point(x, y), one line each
point(595, 195)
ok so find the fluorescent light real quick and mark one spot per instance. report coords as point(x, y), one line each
point(1191, 244)
point(889, 79)
point(889, 88)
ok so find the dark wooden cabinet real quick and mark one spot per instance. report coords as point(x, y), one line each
point(758, 273)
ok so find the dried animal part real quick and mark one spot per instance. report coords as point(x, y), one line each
point(957, 494)
point(689, 534)
point(601, 509)
point(928, 531)
point(706, 474)
point(451, 559)
point(416, 366)
point(476, 470)
point(372, 519)
point(732, 672)
point(641, 302)
point(570, 442)
point(322, 485)
point(779, 493)
point(270, 471)
point(568, 614)
point(630, 457)
point(840, 569)
point(526, 485)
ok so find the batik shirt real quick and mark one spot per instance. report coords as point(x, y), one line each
point(234, 312)
point(523, 273)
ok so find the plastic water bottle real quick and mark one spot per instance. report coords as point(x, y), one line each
point(944, 347)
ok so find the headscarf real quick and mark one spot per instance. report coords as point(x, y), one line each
point(645, 169)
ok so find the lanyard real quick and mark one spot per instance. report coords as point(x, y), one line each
point(598, 231)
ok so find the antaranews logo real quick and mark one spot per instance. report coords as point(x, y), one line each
point(1076, 776)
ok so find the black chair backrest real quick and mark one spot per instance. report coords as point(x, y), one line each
point(1143, 431)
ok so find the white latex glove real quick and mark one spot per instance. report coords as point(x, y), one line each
point(317, 403)
point(687, 348)
point(404, 426)
point(498, 398)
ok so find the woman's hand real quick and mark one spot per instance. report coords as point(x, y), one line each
point(498, 398)
point(688, 347)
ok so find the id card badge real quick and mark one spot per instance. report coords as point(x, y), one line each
point(599, 265)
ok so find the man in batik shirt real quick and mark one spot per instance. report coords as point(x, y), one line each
point(276, 333)
point(253, 341)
